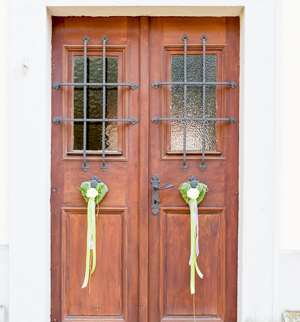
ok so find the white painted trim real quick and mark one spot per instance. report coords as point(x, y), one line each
point(3, 124)
point(277, 309)
point(295, 252)
point(203, 11)
point(256, 205)
point(29, 170)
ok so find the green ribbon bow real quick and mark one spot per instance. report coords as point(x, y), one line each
point(193, 192)
point(93, 192)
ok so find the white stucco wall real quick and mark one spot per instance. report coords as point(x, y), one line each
point(29, 106)
point(288, 155)
point(289, 69)
point(269, 242)
point(3, 127)
point(3, 163)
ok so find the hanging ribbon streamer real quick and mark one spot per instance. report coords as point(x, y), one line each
point(93, 192)
point(193, 192)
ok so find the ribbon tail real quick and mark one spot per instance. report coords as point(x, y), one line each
point(197, 226)
point(93, 229)
point(192, 275)
point(87, 270)
point(191, 230)
point(194, 268)
point(200, 274)
point(192, 279)
point(193, 249)
point(88, 250)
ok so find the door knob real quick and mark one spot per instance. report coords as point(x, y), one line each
point(155, 198)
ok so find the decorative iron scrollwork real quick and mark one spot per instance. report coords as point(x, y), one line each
point(103, 120)
point(204, 119)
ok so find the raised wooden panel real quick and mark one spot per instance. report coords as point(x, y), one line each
point(106, 292)
point(195, 26)
point(176, 299)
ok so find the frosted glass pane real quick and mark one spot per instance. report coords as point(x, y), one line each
point(94, 104)
point(195, 131)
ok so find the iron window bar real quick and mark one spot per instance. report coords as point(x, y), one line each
point(204, 119)
point(103, 120)
point(230, 84)
point(129, 120)
point(111, 85)
point(157, 119)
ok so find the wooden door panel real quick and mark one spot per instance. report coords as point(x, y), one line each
point(112, 293)
point(173, 28)
point(104, 296)
point(117, 195)
point(169, 232)
point(176, 298)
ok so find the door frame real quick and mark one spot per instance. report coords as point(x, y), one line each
point(257, 219)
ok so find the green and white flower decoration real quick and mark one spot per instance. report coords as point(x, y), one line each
point(93, 192)
point(193, 192)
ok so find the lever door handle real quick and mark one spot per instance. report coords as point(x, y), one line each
point(166, 186)
point(155, 198)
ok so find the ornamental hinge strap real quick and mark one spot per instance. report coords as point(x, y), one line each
point(204, 119)
point(104, 85)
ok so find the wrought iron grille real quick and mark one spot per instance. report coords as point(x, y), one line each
point(204, 119)
point(103, 120)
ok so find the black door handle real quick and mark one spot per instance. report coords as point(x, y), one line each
point(155, 198)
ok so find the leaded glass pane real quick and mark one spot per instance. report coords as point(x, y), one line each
point(194, 108)
point(94, 103)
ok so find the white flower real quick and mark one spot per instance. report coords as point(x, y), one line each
point(92, 193)
point(193, 193)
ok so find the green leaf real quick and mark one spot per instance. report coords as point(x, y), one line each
point(202, 188)
point(102, 191)
point(84, 187)
point(183, 188)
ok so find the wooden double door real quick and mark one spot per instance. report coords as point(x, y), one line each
point(142, 269)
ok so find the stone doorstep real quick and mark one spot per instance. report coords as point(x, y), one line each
point(291, 316)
